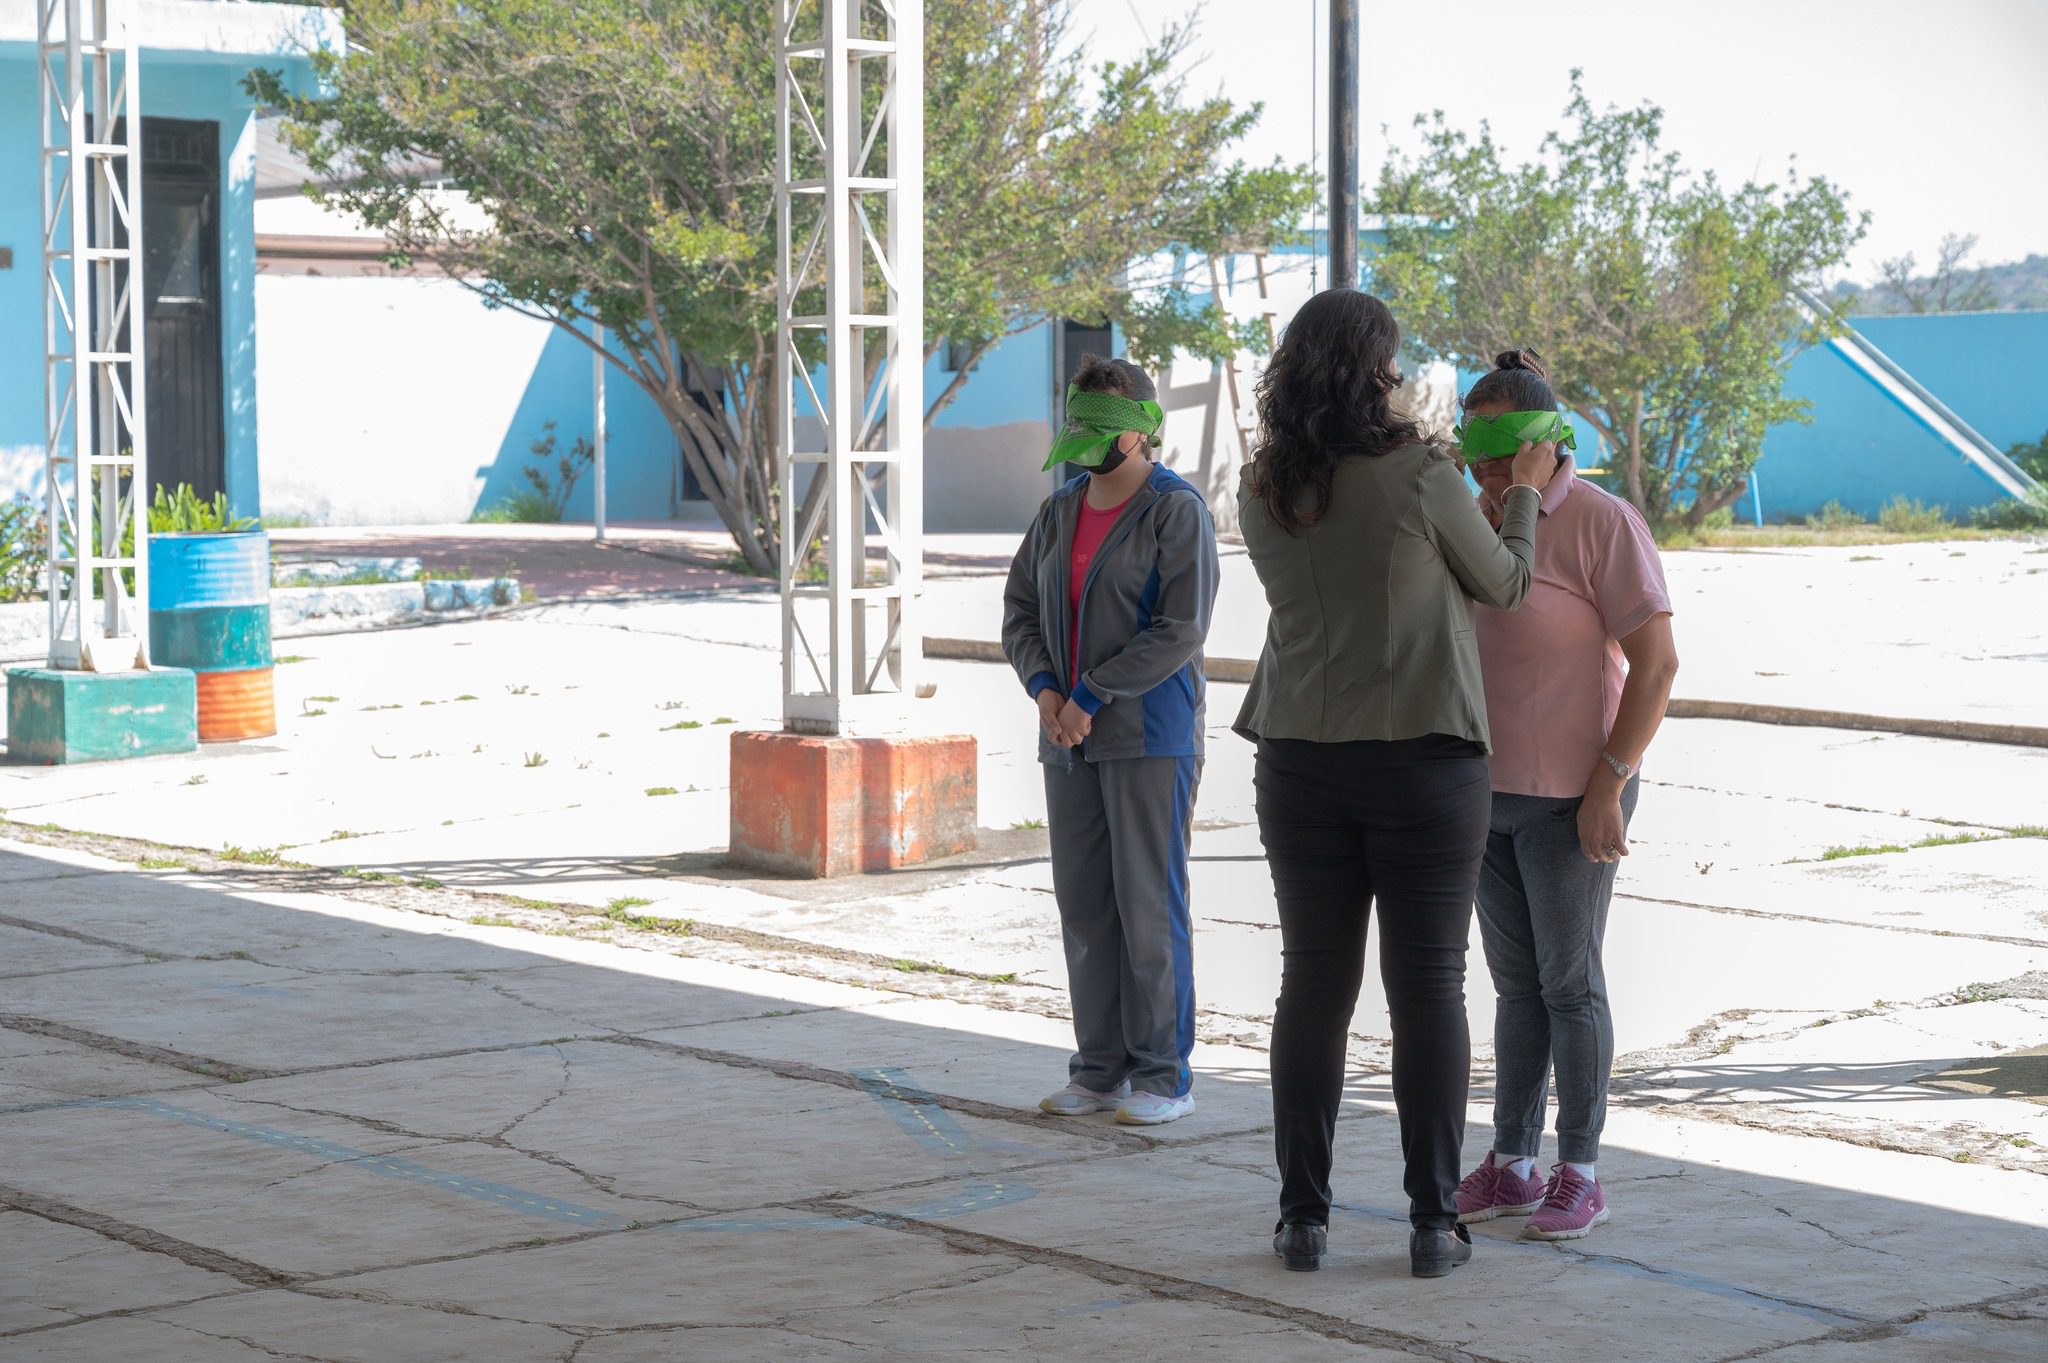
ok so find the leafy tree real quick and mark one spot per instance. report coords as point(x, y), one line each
point(616, 158)
point(1667, 305)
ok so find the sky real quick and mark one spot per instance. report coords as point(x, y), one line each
point(1931, 114)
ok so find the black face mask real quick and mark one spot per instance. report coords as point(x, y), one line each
point(1111, 461)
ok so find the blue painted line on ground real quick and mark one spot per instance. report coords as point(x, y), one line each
point(921, 1117)
point(391, 1166)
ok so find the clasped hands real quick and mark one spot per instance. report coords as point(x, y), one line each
point(1064, 722)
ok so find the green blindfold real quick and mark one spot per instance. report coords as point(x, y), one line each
point(1095, 420)
point(1499, 437)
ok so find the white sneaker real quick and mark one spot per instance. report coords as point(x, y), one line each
point(1149, 1109)
point(1076, 1101)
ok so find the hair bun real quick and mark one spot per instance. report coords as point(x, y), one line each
point(1524, 358)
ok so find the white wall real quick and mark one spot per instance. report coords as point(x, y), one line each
point(383, 401)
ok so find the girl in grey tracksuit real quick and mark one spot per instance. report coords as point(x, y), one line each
point(1112, 653)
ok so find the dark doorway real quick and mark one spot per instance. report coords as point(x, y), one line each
point(181, 284)
point(1073, 340)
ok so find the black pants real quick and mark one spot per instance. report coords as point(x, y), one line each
point(1346, 825)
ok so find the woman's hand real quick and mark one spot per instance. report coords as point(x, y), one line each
point(1076, 723)
point(1535, 464)
point(1603, 835)
point(1049, 703)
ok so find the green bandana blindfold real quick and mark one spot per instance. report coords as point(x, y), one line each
point(1499, 437)
point(1095, 420)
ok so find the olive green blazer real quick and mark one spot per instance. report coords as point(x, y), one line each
point(1370, 633)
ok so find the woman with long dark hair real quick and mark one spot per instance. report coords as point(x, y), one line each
point(1370, 722)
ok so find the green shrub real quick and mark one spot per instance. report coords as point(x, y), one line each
point(2014, 513)
point(182, 513)
point(1902, 516)
point(522, 507)
point(2032, 457)
point(24, 551)
point(1723, 519)
point(1835, 516)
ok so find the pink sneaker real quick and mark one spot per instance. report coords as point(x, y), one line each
point(1572, 1206)
point(1493, 1190)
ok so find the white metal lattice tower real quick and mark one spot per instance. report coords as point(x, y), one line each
point(93, 324)
point(849, 89)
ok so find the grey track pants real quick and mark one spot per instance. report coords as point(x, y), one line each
point(1542, 918)
point(1119, 832)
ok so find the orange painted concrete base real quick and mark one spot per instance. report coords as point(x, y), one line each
point(822, 807)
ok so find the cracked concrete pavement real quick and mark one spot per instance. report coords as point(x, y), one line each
point(382, 1041)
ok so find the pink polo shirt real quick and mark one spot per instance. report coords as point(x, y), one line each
point(1554, 668)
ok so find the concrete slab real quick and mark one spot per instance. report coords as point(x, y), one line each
point(295, 1191)
point(40, 1069)
point(58, 1274)
point(281, 1324)
point(27, 952)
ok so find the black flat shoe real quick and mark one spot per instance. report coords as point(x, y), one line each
point(1301, 1246)
point(1434, 1253)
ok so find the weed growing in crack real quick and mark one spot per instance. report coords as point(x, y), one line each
point(465, 696)
point(161, 864)
point(358, 873)
point(683, 724)
point(523, 902)
point(672, 927)
point(519, 689)
point(1026, 823)
point(1839, 853)
point(725, 719)
point(324, 700)
point(428, 883)
point(491, 920)
point(342, 834)
point(285, 658)
point(534, 759)
point(629, 901)
point(311, 714)
point(253, 856)
point(672, 704)
point(198, 779)
point(661, 790)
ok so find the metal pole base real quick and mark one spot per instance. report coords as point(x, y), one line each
point(822, 807)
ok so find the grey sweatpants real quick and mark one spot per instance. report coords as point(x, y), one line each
point(1542, 917)
point(1119, 832)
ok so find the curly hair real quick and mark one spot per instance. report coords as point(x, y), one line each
point(1326, 395)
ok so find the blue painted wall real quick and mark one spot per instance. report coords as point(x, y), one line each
point(640, 450)
point(174, 85)
point(1863, 450)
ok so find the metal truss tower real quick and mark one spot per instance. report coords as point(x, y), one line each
point(849, 199)
point(93, 374)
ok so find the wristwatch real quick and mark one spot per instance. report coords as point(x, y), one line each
point(1620, 768)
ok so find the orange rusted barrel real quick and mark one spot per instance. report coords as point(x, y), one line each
point(237, 705)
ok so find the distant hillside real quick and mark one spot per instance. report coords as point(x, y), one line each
point(2016, 286)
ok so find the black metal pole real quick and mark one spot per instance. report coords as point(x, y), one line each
point(1343, 144)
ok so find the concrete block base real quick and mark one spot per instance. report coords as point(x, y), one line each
point(57, 717)
point(823, 807)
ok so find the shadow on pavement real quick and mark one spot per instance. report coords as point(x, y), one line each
point(311, 1124)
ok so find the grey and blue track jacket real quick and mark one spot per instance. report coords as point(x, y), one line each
point(1145, 607)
